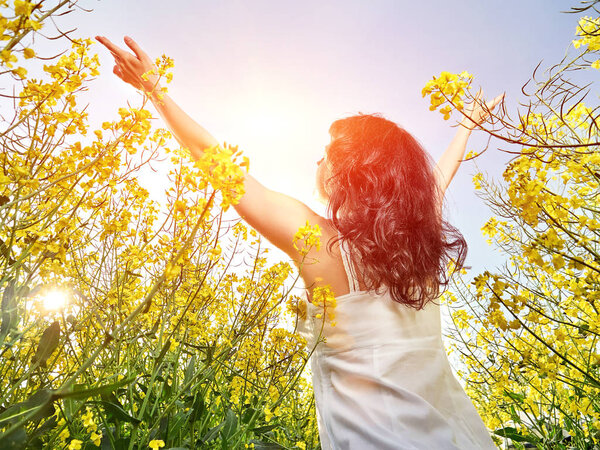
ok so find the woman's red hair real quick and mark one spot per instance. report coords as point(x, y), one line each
point(385, 202)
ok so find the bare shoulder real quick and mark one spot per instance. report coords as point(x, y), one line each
point(277, 216)
point(324, 266)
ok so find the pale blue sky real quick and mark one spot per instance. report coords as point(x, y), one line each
point(270, 76)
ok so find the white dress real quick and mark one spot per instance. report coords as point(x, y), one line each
point(382, 379)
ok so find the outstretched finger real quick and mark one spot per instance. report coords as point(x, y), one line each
point(492, 104)
point(478, 101)
point(135, 48)
point(114, 49)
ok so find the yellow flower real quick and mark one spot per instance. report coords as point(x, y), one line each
point(64, 434)
point(218, 166)
point(88, 419)
point(588, 30)
point(21, 72)
point(268, 414)
point(23, 8)
point(323, 298)
point(301, 444)
point(180, 206)
point(155, 444)
point(447, 89)
point(28, 53)
point(96, 438)
point(310, 235)
point(214, 253)
point(172, 271)
point(75, 444)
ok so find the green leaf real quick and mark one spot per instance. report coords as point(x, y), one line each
point(9, 309)
point(198, 408)
point(162, 353)
point(48, 343)
point(119, 444)
point(6, 252)
point(212, 433)
point(519, 398)
point(16, 440)
point(178, 422)
point(189, 371)
point(142, 388)
point(248, 413)
point(41, 401)
point(264, 429)
point(112, 398)
point(259, 445)
point(99, 390)
point(584, 329)
point(230, 426)
point(116, 411)
point(512, 433)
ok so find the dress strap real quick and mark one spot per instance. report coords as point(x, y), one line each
point(348, 267)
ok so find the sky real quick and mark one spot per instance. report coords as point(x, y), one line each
point(271, 76)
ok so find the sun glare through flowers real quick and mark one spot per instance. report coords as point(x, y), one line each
point(55, 299)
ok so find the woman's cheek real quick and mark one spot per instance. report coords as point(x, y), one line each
point(320, 181)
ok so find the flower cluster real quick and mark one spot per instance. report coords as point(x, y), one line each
point(449, 89)
point(25, 18)
point(220, 167)
point(90, 426)
point(163, 66)
point(307, 237)
point(322, 297)
point(588, 31)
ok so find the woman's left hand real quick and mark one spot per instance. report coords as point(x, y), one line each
point(477, 111)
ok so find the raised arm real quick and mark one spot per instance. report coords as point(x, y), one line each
point(130, 68)
point(276, 216)
point(475, 114)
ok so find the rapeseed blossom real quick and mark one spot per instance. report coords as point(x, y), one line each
point(307, 237)
point(155, 444)
point(448, 89)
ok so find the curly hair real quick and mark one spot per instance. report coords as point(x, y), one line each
point(386, 204)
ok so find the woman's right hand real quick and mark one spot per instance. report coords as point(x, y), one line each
point(478, 111)
point(130, 67)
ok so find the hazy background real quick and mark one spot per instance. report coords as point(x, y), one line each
point(271, 76)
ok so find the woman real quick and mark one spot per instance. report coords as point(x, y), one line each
point(381, 378)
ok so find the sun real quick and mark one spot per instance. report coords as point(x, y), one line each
point(267, 118)
point(55, 299)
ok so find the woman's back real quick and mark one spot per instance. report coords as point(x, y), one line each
point(382, 378)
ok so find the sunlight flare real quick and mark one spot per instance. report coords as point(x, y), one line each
point(55, 299)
